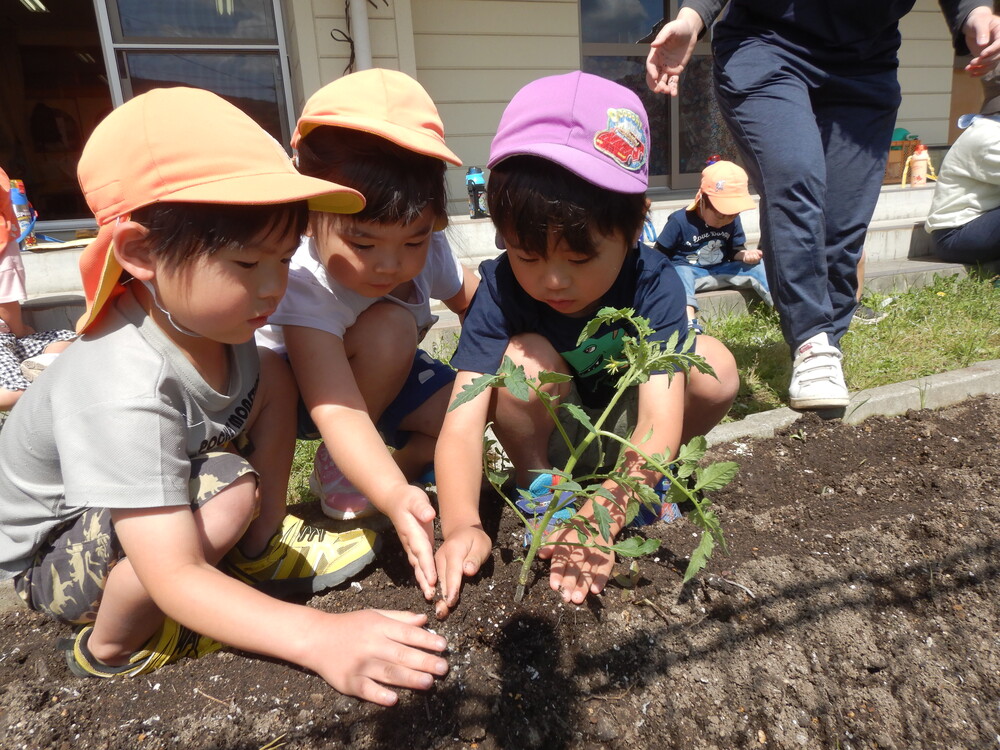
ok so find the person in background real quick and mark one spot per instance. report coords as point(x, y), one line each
point(964, 219)
point(706, 242)
point(810, 93)
point(19, 342)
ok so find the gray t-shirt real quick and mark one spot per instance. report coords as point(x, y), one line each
point(112, 423)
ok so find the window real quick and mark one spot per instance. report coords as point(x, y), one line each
point(232, 47)
point(68, 65)
point(684, 132)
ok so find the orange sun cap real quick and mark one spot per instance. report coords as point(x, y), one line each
point(386, 103)
point(726, 185)
point(183, 145)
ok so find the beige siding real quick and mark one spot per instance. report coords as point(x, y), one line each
point(925, 61)
point(473, 55)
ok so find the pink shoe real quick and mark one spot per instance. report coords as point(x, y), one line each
point(338, 498)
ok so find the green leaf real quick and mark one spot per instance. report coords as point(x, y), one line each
point(603, 519)
point(473, 389)
point(716, 476)
point(553, 377)
point(580, 415)
point(699, 558)
point(635, 546)
point(693, 450)
point(517, 383)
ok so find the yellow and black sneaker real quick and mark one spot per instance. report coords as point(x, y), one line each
point(170, 643)
point(303, 559)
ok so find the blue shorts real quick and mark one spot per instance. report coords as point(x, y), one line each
point(427, 376)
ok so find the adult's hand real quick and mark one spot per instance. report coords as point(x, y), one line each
point(982, 35)
point(670, 51)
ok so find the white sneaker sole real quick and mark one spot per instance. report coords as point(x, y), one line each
point(806, 404)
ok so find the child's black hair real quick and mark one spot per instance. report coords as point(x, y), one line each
point(530, 197)
point(398, 184)
point(180, 232)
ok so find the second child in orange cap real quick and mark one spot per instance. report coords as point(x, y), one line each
point(706, 242)
point(358, 303)
point(143, 478)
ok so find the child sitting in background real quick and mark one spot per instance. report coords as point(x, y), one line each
point(706, 243)
point(143, 478)
point(19, 342)
point(567, 194)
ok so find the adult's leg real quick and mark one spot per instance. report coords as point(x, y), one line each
point(856, 115)
point(765, 96)
point(976, 242)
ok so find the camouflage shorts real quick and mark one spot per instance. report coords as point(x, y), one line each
point(67, 576)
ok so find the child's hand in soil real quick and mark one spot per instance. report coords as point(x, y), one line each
point(461, 554)
point(365, 651)
point(413, 517)
point(576, 571)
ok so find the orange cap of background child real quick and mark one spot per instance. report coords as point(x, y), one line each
point(9, 228)
point(727, 186)
point(385, 103)
point(183, 145)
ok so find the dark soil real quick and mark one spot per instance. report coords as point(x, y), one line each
point(859, 608)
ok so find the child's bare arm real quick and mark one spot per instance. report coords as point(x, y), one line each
point(458, 468)
point(460, 302)
point(335, 403)
point(578, 571)
point(360, 653)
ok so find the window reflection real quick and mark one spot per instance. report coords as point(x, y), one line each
point(142, 20)
point(617, 22)
point(702, 129)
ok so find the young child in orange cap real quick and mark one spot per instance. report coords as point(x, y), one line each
point(143, 479)
point(18, 340)
point(358, 302)
point(706, 242)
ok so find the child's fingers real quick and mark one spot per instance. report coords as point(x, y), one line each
point(405, 617)
point(372, 692)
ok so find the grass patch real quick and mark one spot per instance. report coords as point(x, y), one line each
point(950, 324)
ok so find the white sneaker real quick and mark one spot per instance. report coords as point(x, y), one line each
point(817, 377)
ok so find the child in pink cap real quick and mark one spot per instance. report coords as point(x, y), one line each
point(567, 193)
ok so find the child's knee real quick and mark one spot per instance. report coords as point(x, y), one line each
point(385, 332)
point(726, 383)
point(534, 353)
point(238, 501)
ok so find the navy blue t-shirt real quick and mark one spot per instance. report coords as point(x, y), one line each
point(687, 240)
point(501, 309)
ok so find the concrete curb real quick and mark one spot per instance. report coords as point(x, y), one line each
point(932, 392)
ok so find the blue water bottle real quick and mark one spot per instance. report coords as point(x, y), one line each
point(25, 212)
point(476, 184)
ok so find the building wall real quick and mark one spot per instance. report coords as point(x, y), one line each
point(473, 55)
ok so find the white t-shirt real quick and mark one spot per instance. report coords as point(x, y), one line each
point(315, 300)
point(112, 423)
point(968, 183)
